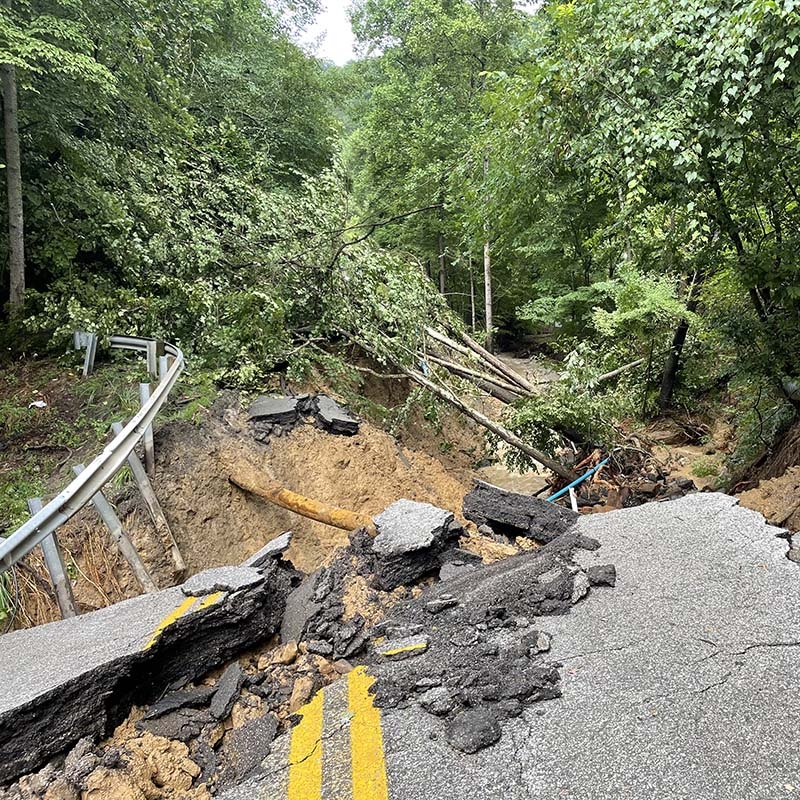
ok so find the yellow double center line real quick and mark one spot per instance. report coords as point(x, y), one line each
point(366, 744)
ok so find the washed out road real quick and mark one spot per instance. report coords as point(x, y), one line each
point(679, 683)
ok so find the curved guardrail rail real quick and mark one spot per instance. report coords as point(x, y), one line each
point(103, 468)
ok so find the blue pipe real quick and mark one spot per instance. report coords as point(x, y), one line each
point(562, 492)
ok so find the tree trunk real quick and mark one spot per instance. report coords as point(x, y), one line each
point(487, 270)
point(672, 366)
point(16, 235)
point(471, 295)
point(497, 429)
point(442, 272)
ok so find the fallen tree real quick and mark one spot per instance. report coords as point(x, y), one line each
point(503, 433)
point(254, 481)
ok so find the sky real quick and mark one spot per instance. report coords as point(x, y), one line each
point(332, 39)
point(331, 33)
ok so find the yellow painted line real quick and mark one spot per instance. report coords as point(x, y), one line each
point(366, 741)
point(407, 649)
point(305, 753)
point(209, 601)
point(169, 619)
point(179, 612)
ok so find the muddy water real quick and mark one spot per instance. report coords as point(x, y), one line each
point(524, 483)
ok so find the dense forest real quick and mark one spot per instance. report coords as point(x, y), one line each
point(612, 181)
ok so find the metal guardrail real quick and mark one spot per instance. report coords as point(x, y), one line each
point(105, 466)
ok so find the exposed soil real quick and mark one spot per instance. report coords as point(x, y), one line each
point(778, 499)
point(217, 524)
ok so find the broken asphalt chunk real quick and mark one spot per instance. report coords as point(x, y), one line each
point(188, 698)
point(228, 688)
point(221, 579)
point(400, 649)
point(473, 730)
point(274, 410)
point(410, 538)
point(333, 418)
point(602, 575)
point(512, 514)
point(280, 544)
point(183, 724)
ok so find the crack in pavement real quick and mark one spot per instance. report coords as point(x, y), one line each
point(596, 652)
point(289, 764)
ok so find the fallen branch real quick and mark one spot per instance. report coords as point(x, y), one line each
point(249, 480)
point(501, 374)
point(614, 372)
point(499, 366)
point(497, 429)
point(466, 372)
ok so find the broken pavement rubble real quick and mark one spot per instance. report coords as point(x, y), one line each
point(101, 663)
point(511, 514)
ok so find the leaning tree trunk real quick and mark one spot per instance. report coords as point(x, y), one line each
point(16, 235)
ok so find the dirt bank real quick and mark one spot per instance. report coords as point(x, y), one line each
point(778, 499)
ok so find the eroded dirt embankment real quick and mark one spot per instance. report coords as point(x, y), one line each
point(216, 524)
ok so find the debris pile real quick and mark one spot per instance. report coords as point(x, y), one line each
point(471, 649)
point(271, 415)
point(464, 642)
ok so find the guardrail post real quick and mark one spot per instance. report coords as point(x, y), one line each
point(129, 553)
point(83, 339)
point(152, 358)
point(153, 506)
point(55, 566)
point(163, 368)
point(147, 439)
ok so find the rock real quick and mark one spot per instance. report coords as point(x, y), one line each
point(342, 667)
point(300, 608)
point(61, 789)
point(227, 691)
point(538, 641)
point(602, 575)
point(285, 654)
point(685, 484)
point(80, 762)
point(274, 410)
point(301, 692)
point(512, 514)
point(112, 758)
point(400, 649)
point(320, 647)
point(245, 748)
point(473, 730)
point(183, 724)
point(437, 701)
point(221, 579)
point(648, 487)
point(270, 550)
point(333, 418)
